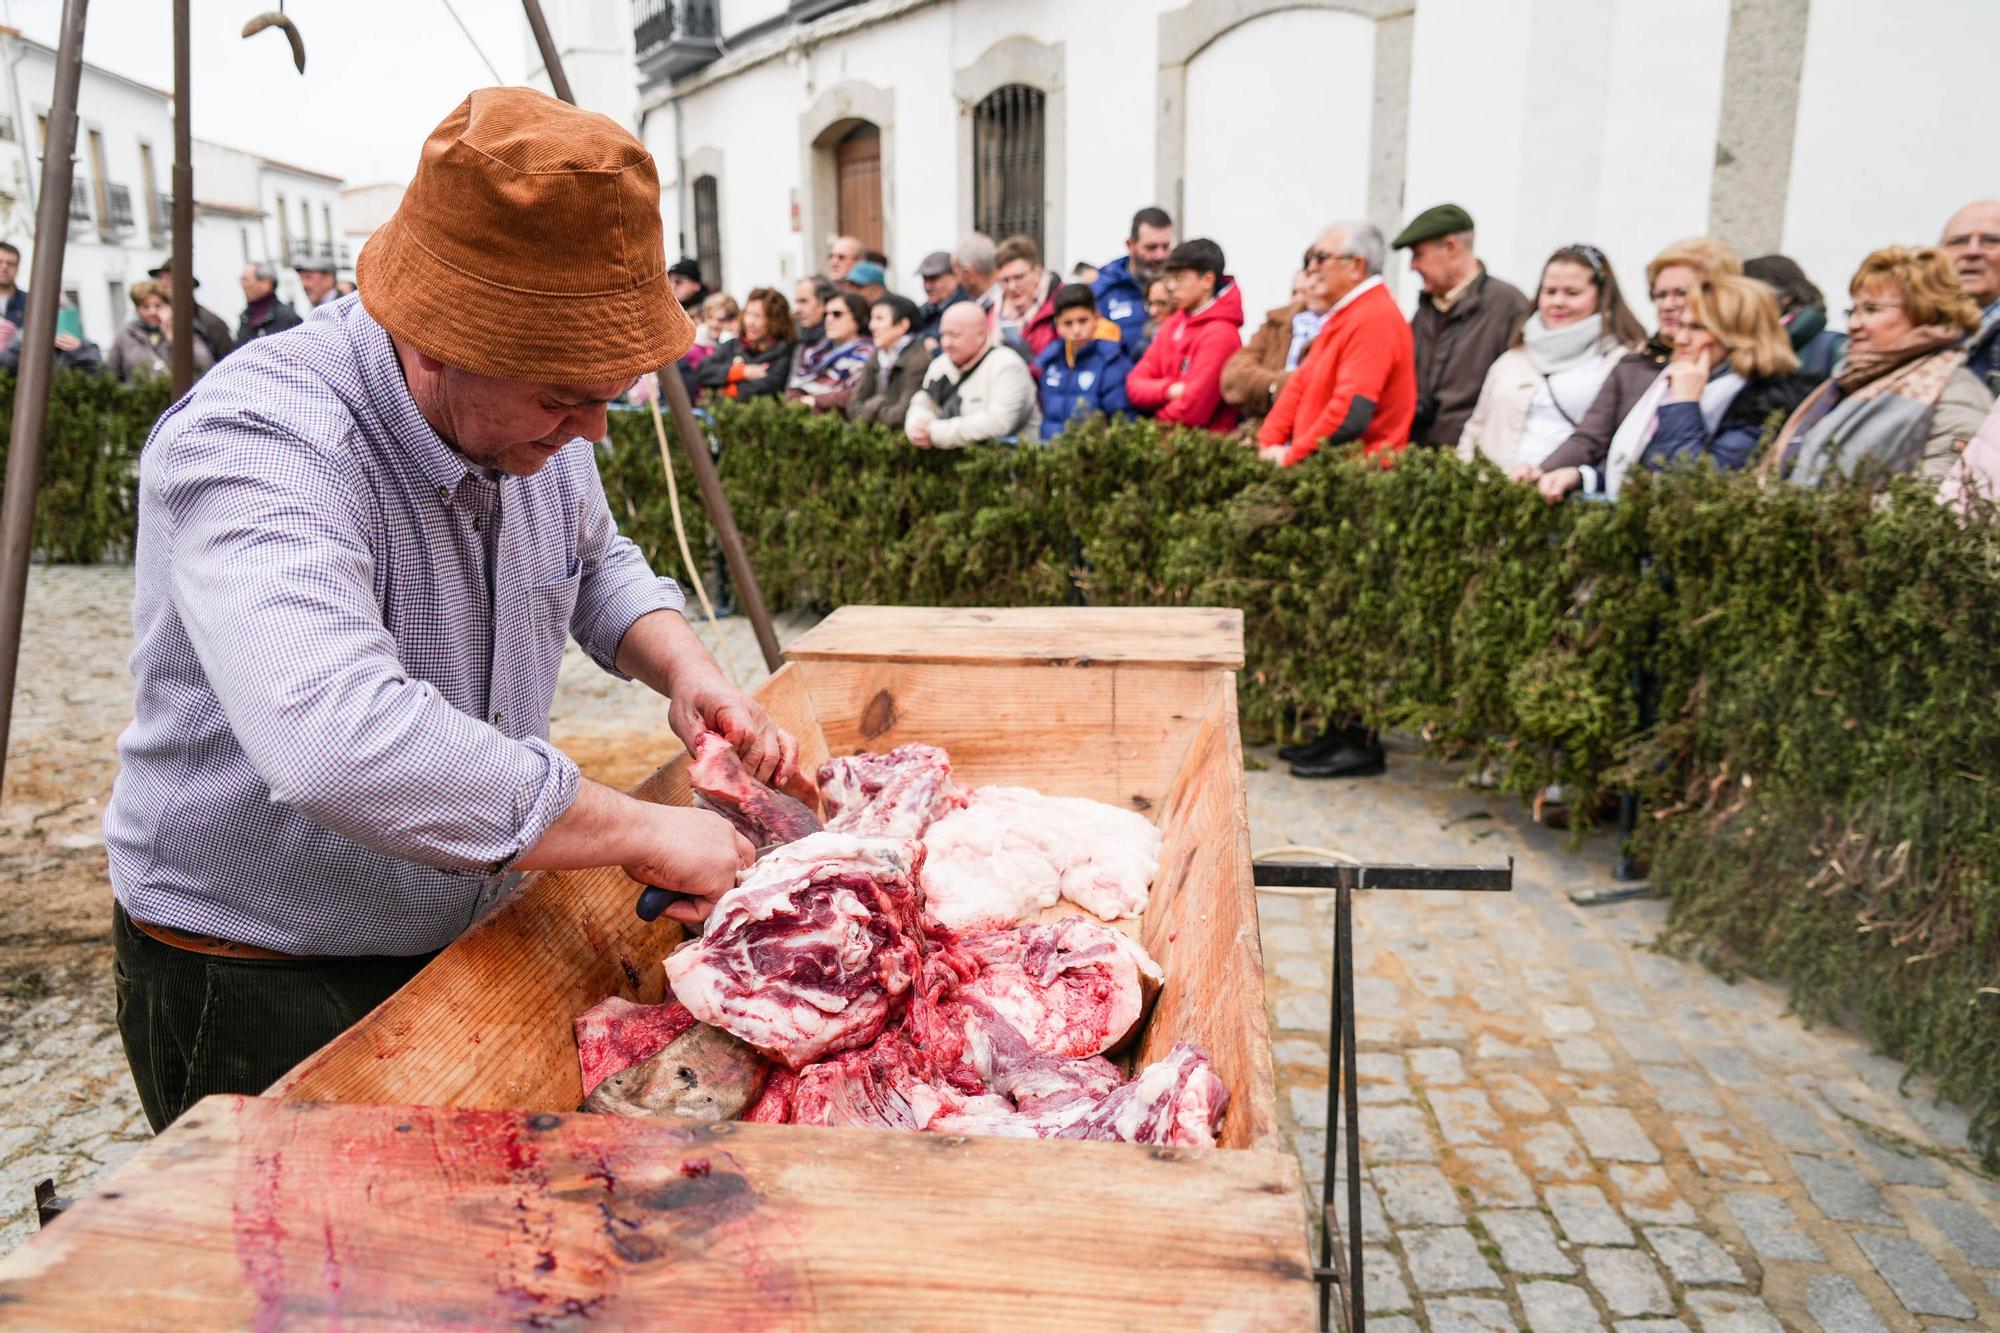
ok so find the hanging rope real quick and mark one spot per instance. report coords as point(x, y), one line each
point(680, 536)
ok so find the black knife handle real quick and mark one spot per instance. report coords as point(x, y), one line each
point(653, 901)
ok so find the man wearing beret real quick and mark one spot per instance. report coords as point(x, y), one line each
point(362, 548)
point(1464, 321)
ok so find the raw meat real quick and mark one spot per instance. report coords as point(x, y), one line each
point(1178, 1100)
point(616, 1034)
point(763, 815)
point(893, 795)
point(1071, 988)
point(814, 951)
point(704, 1074)
point(1011, 852)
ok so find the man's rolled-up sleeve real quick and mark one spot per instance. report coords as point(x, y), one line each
point(273, 578)
point(617, 586)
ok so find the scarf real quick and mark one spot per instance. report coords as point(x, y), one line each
point(1915, 366)
point(1305, 327)
point(1635, 432)
point(815, 361)
point(1861, 367)
point(1552, 351)
point(260, 308)
point(1804, 324)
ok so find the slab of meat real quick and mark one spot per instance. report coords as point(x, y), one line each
point(1069, 988)
point(893, 795)
point(1011, 852)
point(813, 952)
point(765, 816)
point(616, 1034)
point(1176, 1101)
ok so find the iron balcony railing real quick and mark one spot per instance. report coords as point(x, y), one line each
point(674, 38)
point(118, 208)
point(79, 199)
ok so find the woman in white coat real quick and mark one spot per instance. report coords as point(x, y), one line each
point(1547, 378)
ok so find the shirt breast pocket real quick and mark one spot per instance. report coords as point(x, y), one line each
point(556, 598)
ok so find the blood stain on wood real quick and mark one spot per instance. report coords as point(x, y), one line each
point(879, 715)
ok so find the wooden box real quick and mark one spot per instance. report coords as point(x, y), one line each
point(428, 1167)
point(1134, 706)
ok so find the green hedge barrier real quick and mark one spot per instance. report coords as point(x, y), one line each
point(1822, 780)
point(88, 505)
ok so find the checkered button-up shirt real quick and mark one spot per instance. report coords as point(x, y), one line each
point(347, 644)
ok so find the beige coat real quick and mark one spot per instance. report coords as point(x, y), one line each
point(1495, 426)
point(997, 399)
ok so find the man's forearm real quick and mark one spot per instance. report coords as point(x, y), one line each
point(601, 827)
point(660, 651)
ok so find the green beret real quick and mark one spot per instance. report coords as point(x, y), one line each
point(1441, 220)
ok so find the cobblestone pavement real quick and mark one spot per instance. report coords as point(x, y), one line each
point(1562, 1129)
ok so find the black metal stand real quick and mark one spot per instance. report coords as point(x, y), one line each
point(1335, 1268)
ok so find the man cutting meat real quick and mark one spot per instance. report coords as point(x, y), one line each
point(362, 546)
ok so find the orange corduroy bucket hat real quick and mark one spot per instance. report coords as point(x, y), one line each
point(528, 247)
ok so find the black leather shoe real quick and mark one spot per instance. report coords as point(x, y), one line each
point(1322, 745)
point(1357, 756)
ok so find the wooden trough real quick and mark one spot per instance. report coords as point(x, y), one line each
point(429, 1165)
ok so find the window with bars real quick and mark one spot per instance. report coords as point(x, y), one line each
point(708, 231)
point(1007, 142)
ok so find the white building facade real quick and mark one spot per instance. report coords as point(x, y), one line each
point(246, 207)
point(780, 123)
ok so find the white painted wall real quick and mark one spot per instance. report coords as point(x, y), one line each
point(1555, 121)
point(1552, 121)
point(100, 269)
point(1275, 67)
point(1890, 137)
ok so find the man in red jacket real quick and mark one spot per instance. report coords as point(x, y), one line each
point(1179, 380)
point(1359, 382)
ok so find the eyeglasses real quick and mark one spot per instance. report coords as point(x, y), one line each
point(1317, 256)
point(1872, 308)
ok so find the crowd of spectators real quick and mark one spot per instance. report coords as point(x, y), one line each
point(1560, 388)
point(143, 346)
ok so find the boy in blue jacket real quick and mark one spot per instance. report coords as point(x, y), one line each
point(1084, 370)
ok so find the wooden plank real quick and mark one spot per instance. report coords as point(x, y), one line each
point(256, 1213)
point(488, 1022)
point(1201, 926)
point(1208, 638)
point(1115, 734)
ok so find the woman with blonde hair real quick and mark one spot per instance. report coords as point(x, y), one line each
point(1674, 273)
point(1733, 370)
point(1901, 400)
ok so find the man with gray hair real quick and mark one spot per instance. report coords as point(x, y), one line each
point(1358, 382)
point(977, 264)
point(1465, 319)
point(264, 313)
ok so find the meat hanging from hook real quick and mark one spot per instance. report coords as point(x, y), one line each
point(276, 19)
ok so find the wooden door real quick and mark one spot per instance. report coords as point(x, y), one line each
point(858, 171)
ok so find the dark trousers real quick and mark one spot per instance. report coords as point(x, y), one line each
point(194, 1024)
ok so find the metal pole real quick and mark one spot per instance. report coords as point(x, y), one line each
point(693, 442)
point(31, 385)
point(551, 59)
point(182, 262)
